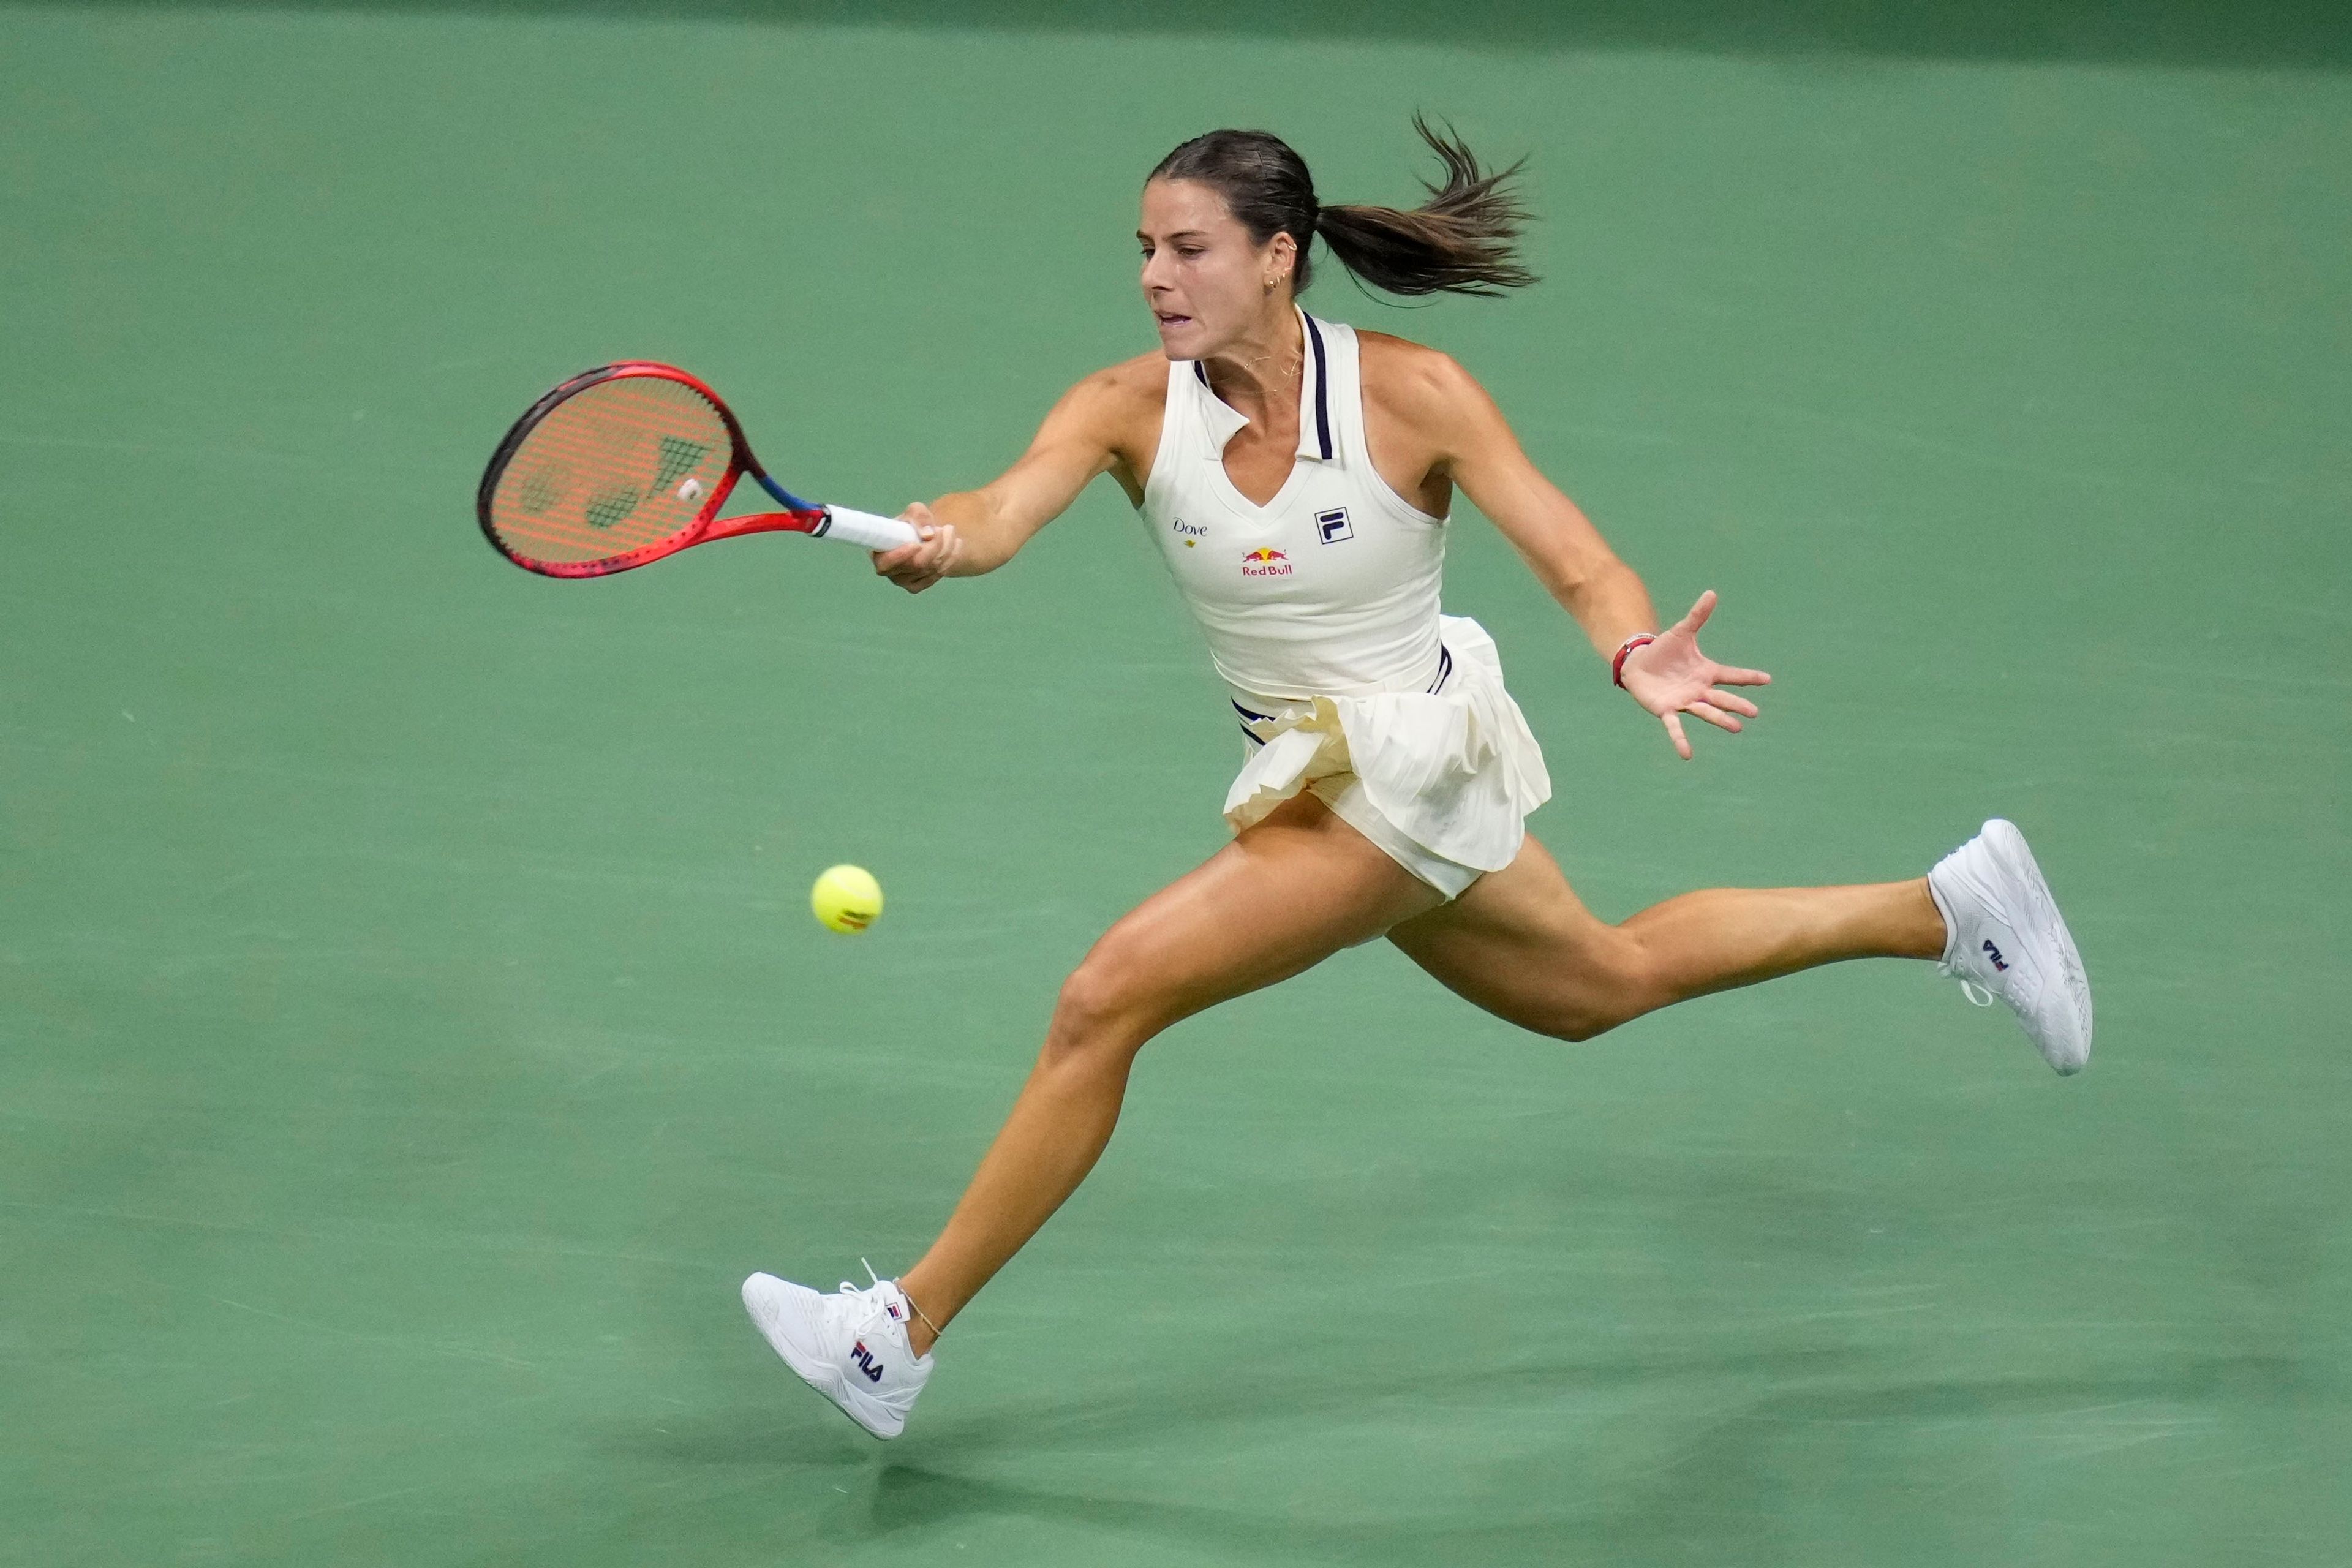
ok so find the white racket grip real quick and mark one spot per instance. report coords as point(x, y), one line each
point(864, 529)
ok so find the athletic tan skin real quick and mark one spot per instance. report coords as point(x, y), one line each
point(1302, 884)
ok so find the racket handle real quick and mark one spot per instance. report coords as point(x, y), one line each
point(864, 529)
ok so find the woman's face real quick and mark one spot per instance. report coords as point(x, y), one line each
point(1203, 277)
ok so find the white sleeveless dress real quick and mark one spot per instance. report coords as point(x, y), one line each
point(1321, 613)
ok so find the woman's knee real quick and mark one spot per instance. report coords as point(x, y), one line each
point(1577, 1025)
point(1103, 1009)
point(1618, 983)
point(1583, 1016)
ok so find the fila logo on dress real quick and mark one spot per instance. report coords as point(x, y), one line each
point(866, 1362)
point(1333, 525)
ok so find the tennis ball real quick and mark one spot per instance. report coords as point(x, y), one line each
point(847, 898)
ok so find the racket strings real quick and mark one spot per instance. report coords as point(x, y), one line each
point(617, 466)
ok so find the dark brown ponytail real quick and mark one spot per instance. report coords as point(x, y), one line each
point(1460, 241)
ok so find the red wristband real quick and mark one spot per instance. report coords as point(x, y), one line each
point(1617, 664)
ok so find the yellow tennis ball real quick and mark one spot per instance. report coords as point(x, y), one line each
point(847, 898)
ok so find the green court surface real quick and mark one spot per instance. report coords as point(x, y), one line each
point(412, 1027)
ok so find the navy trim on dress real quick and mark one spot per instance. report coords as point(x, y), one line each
point(1444, 674)
point(1322, 388)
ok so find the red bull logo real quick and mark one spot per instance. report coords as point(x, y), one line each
point(1266, 564)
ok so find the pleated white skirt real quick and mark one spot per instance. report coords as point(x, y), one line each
point(1442, 780)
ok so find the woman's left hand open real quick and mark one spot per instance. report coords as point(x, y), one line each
point(1670, 677)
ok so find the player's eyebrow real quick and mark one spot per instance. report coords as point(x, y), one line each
point(1180, 234)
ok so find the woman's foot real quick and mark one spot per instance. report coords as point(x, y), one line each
point(2004, 938)
point(850, 1345)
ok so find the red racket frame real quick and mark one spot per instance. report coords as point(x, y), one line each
point(803, 517)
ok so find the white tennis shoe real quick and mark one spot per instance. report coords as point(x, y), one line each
point(849, 1345)
point(2005, 938)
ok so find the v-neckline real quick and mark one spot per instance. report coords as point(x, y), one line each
point(1234, 494)
point(1312, 355)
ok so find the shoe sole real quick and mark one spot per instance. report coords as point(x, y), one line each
point(2009, 847)
point(825, 1379)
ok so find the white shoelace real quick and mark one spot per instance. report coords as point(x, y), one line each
point(1969, 988)
point(878, 1306)
point(878, 1309)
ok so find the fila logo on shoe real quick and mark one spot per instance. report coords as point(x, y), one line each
point(866, 1362)
point(1993, 953)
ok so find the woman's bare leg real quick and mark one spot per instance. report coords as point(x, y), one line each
point(1280, 899)
point(1522, 946)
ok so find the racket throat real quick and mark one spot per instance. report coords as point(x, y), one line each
point(799, 516)
point(812, 521)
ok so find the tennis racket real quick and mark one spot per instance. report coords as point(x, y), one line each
point(625, 463)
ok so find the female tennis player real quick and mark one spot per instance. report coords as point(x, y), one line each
point(1297, 477)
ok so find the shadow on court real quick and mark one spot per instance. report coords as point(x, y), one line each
point(2305, 34)
point(1726, 1482)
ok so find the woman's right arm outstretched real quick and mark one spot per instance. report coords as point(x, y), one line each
point(1093, 430)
